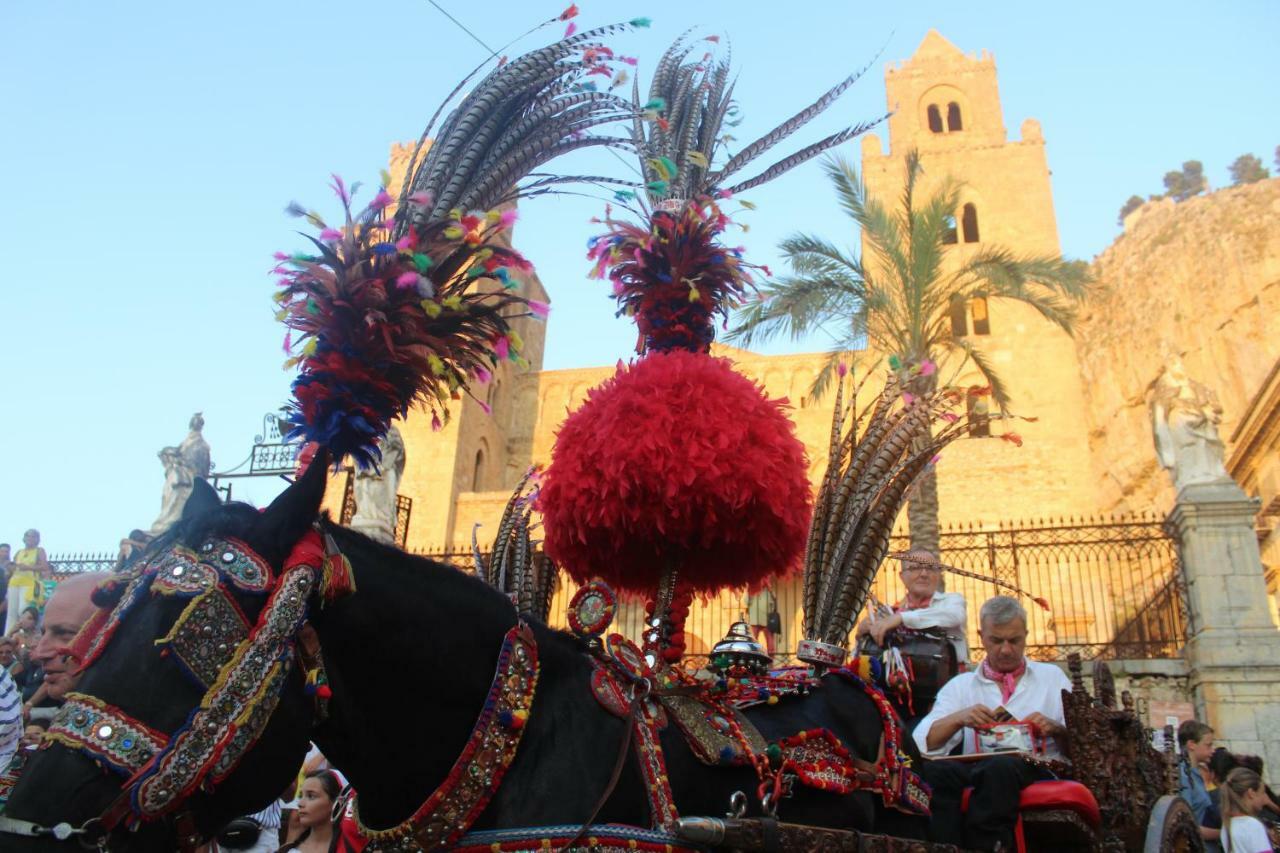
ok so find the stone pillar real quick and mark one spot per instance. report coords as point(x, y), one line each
point(1233, 647)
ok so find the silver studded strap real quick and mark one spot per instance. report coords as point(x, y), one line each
point(225, 726)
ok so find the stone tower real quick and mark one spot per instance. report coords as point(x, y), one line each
point(946, 104)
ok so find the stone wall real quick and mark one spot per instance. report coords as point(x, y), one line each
point(1200, 279)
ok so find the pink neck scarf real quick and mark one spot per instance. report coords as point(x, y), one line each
point(1008, 681)
point(908, 604)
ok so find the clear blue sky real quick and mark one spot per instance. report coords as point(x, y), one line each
point(147, 149)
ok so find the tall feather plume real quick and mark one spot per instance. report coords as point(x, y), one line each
point(671, 270)
point(516, 566)
point(410, 299)
point(868, 479)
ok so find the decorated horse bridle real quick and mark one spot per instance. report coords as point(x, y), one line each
point(242, 667)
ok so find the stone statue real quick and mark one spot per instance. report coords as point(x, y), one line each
point(182, 464)
point(1184, 419)
point(375, 491)
point(194, 449)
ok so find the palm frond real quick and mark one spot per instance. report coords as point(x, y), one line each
point(999, 391)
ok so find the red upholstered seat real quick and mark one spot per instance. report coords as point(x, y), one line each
point(1062, 794)
point(1055, 794)
point(1051, 795)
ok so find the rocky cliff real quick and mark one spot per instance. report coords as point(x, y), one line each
point(1200, 279)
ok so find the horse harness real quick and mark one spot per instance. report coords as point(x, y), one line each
point(243, 669)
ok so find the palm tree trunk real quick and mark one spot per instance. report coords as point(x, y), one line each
point(922, 513)
point(922, 508)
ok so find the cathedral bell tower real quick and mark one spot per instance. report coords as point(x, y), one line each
point(946, 105)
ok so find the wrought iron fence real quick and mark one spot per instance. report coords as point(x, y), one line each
point(1114, 586)
point(76, 564)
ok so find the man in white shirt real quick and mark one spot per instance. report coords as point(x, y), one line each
point(1007, 687)
point(924, 607)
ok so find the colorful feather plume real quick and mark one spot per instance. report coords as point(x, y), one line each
point(410, 298)
point(874, 459)
point(677, 463)
point(670, 269)
point(516, 566)
point(674, 277)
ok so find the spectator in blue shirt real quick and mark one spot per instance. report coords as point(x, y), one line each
point(1195, 746)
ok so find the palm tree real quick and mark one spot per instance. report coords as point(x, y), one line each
point(897, 299)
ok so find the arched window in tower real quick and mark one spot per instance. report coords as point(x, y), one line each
point(979, 421)
point(935, 118)
point(981, 319)
point(953, 117)
point(959, 318)
point(477, 476)
point(969, 223)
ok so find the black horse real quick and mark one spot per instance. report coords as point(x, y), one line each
point(410, 657)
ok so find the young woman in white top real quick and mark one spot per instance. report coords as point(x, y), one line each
point(1243, 796)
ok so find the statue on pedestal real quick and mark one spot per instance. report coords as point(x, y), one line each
point(1185, 416)
point(375, 491)
point(182, 464)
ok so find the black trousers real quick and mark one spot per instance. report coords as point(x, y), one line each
point(997, 784)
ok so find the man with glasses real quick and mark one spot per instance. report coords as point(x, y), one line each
point(924, 607)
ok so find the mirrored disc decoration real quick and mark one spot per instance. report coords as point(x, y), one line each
point(591, 610)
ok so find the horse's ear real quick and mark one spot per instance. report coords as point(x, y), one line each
point(204, 498)
point(295, 509)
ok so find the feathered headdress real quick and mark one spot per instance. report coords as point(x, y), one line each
point(874, 459)
point(515, 566)
point(679, 475)
point(411, 298)
point(668, 266)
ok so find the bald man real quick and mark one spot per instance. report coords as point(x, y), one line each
point(68, 609)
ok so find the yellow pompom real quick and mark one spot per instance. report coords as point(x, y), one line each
point(453, 303)
point(517, 343)
point(431, 307)
point(453, 232)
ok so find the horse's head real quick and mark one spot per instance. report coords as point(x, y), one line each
point(190, 683)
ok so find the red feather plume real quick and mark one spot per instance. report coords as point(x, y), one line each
point(677, 461)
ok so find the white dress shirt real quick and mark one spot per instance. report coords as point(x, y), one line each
point(946, 611)
point(1039, 690)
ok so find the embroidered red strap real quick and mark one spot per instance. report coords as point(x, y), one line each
point(454, 806)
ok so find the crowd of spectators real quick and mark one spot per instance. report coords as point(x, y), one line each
point(1237, 811)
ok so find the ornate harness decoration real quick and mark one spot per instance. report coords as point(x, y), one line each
point(451, 809)
point(244, 669)
point(108, 735)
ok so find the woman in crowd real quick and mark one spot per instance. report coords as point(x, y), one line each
point(26, 584)
point(25, 635)
point(319, 814)
point(1243, 796)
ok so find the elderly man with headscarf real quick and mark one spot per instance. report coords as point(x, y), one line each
point(925, 606)
point(1007, 687)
